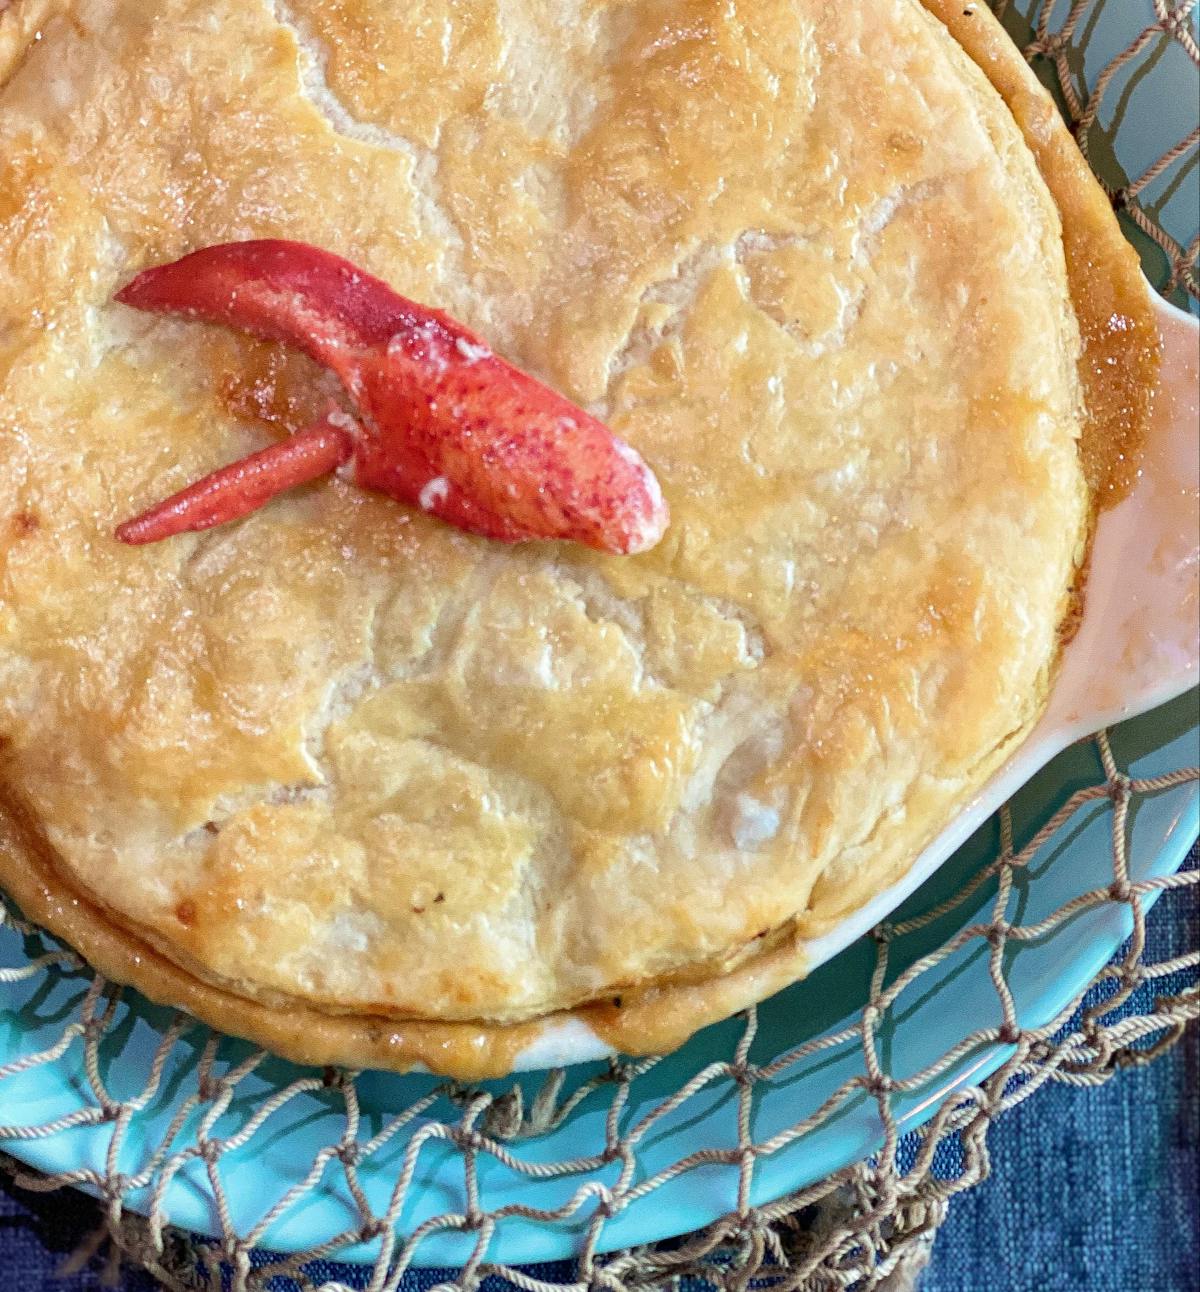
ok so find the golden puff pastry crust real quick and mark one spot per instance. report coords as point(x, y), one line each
point(372, 791)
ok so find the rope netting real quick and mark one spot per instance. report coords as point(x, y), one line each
point(868, 1225)
point(1101, 105)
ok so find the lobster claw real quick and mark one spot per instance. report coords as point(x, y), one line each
point(445, 424)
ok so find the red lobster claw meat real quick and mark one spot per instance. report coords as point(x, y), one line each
point(444, 424)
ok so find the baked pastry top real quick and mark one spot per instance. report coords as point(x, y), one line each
point(341, 757)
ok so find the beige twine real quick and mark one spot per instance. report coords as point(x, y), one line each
point(869, 1226)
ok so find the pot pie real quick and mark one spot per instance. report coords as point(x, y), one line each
point(366, 789)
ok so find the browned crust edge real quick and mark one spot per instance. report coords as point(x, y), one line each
point(1122, 348)
point(1118, 367)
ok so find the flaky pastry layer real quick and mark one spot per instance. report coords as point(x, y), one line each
point(348, 782)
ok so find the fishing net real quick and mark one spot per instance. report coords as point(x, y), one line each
point(868, 1225)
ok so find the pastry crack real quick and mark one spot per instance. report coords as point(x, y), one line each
point(229, 806)
point(602, 605)
point(664, 306)
point(674, 295)
point(340, 700)
point(853, 298)
point(424, 166)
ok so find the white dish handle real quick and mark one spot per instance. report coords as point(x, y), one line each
point(1139, 643)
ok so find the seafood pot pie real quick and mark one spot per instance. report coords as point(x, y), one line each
point(368, 789)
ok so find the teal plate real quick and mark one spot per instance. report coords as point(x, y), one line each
point(941, 1008)
point(1152, 105)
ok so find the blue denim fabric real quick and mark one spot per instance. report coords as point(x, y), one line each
point(1092, 1190)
